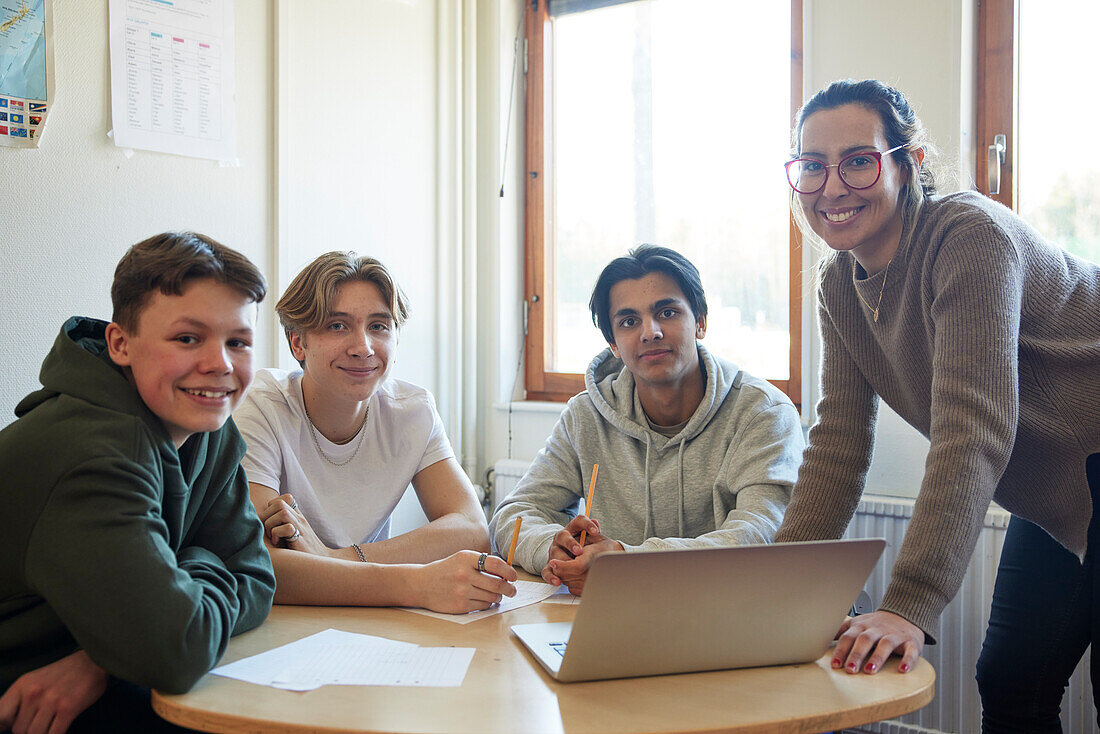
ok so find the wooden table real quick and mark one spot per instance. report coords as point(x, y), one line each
point(506, 690)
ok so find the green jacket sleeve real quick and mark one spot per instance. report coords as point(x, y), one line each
point(152, 598)
point(231, 530)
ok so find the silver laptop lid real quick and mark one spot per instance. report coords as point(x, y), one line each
point(659, 612)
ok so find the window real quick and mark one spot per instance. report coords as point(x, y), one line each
point(663, 121)
point(1027, 55)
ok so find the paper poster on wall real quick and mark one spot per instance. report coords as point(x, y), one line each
point(26, 70)
point(172, 77)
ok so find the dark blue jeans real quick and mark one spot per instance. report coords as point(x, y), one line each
point(1045, 613)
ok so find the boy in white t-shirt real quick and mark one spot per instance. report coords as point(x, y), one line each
point(333, 446)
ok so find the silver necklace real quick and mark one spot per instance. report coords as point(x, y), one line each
point(313, 434)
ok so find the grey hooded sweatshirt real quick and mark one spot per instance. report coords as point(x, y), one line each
point(724, 479)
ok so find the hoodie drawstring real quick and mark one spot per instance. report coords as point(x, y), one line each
point(648, 494)
point(680, 454)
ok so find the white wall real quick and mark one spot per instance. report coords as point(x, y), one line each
point(357, 106)
point(72, 206)
point(925, 49)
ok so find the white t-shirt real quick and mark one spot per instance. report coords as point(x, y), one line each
point(350, 503)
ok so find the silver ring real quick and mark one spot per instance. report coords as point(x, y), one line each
point(294, 505)
point(297, 534)
point(481, 562)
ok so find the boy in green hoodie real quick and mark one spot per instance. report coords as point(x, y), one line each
point(130, 551)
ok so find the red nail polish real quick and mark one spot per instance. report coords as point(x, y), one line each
point(870, 667)
point(851, 666)
point(904, 668)
point(836, 662)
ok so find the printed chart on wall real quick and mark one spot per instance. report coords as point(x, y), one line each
point(26, 70)
point(172, 77)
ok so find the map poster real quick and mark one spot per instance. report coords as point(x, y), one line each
point(26, 70)
point(172, 77)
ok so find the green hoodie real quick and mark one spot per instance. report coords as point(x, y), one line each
point(724, 479)
point(146, 557)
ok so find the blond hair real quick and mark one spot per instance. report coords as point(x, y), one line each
point(307, 302)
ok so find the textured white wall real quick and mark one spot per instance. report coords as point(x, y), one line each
point(71, 207)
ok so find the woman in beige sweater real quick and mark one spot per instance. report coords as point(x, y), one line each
point(986, 339)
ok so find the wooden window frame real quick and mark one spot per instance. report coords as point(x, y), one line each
point(995, 104)
point(541, 383)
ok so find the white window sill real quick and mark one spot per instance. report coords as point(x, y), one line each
point(530, 406)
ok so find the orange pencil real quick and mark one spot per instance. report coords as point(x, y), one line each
point(588, 504)
point(515, 539)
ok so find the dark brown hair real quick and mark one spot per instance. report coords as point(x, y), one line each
point(903, 130)
point(167, 262)
point(638, 263)
point(899, 122)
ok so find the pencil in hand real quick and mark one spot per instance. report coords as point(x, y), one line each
point(588, 504)
point(515, 539)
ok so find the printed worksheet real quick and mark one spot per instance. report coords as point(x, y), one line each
point(172, 78)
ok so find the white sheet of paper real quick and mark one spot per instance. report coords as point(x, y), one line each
point(335, 657)
point(172, 77)
point(563, 596)
point(527, 592)
point(423, 666)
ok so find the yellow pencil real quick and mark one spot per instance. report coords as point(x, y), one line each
point(588, 504)
point(515, 539)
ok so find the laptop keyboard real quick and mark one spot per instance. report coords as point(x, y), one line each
point(559, 647)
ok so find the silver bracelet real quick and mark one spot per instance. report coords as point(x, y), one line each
point(359, 551)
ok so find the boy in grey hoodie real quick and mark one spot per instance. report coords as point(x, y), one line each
point(693, 452)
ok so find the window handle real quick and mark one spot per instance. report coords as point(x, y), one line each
point(996, 158)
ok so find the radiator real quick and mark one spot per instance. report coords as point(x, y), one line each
point(506, 474)
point(956, 708)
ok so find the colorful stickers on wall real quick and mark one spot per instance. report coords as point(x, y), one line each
point(26, 70)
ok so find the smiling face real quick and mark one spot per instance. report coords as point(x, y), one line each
point(865, 222)
point(190, 356)
point(655, 330)
point(349, 356)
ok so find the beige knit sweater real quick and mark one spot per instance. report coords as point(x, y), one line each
point(988, 343)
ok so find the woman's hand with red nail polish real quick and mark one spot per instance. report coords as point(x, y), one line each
point(867, 641)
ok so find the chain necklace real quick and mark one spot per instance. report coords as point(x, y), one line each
point(313, 434)
point(878, 304)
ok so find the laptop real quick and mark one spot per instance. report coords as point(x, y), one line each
point(680, 611)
